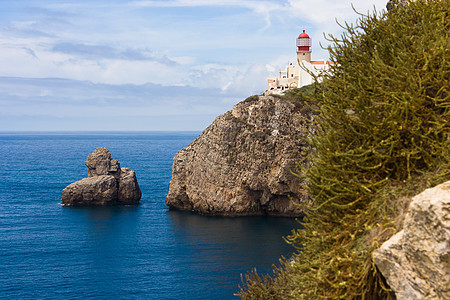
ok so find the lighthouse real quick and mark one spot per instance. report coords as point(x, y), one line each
point(302, 73)
point(303, 47)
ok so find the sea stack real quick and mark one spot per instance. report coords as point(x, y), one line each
point(243, 163)
point(106, 184)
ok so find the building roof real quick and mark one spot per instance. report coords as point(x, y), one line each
point(322, 62)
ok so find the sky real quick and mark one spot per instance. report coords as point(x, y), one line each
point(149, 65)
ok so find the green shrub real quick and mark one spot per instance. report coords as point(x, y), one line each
point(382, 135)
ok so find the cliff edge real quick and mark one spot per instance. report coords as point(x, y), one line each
point(241, 164)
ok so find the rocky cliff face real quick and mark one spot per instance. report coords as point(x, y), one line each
point(107, 183)
point(241, 164)
point(416, 261)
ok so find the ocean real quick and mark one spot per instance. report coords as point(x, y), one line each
point(48, 251)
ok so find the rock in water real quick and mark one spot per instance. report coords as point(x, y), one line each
point(416, 261)
point(241, 164)
point(107, 183)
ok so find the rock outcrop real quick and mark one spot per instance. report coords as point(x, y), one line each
point(106, 184)
point(241, 164)
point(416, 261)
point(392, 4)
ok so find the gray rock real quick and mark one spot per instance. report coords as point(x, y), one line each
point(129, 192)
point(107, 183)
point(393, 4)
point(100, 162)
point(241, 164)
point(416, 261)
point(98, 190)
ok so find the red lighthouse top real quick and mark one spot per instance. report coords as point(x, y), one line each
point(303, 35)
point(303, 42)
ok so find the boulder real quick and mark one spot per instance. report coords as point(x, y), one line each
point(416, 261)
point(106, 184)
point(242, 163)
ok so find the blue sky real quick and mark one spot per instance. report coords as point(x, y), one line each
point(150, 64)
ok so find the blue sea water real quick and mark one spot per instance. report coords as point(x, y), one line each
point(132, 252)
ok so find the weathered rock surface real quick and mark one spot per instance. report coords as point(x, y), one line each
point(416, 261)
point(99, 190)
point(241, 164)
point(392, 4)
point(107, 183)
point(100, 162)
point(129, 191)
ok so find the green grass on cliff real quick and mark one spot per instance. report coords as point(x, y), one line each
point(382, 135)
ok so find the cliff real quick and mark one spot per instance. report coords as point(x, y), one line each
point(241, 164)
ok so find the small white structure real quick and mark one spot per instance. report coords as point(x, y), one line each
point(301, 73)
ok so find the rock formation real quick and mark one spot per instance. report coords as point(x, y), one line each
point(106, 184)
point(392, 4)
point(241, 164)
point(416, 261)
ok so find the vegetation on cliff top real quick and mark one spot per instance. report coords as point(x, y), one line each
point(382, 135)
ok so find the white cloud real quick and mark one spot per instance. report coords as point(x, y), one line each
point(262, 8)
point(71, 98)
point(243, 79)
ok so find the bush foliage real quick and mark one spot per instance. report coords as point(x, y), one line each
point(382, 135)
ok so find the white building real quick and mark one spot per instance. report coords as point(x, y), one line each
point(300, 73)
